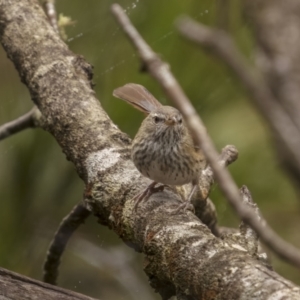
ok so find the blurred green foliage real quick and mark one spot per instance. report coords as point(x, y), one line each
point(38, 187)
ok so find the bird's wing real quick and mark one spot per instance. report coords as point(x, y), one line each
point(137, 96)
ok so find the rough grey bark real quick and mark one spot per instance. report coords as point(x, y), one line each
point(182, 255)
point(16, 287)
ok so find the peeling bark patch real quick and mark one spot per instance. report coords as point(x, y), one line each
point(100, 161)
point(44, 69)
point(238, 247)
point(127, 174)
point(280, 295)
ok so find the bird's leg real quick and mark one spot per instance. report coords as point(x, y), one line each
point(147, 192)
point(188, 202)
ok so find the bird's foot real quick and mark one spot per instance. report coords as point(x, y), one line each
point(187, 205)
point(147, 192)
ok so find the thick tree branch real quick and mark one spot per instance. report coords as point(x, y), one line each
point(160, 71)
point(182, 255)
point(17, 287)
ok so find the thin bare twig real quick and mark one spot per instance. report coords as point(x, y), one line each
point(160, 71)
point(68, 225)
point(221, 44)
point(17, 125)
point(49, 8)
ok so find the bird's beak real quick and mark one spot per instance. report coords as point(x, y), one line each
point(171, 121)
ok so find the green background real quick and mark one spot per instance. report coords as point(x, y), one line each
point(38, 187)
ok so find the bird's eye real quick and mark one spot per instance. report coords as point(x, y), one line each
point(156, 119)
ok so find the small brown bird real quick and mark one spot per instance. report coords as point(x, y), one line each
point(163, 149)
